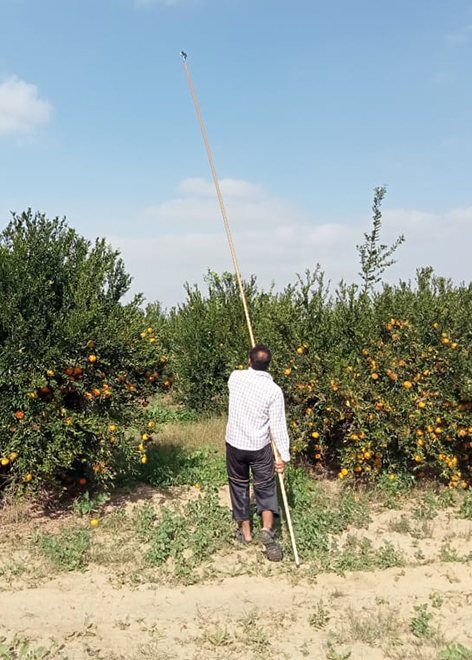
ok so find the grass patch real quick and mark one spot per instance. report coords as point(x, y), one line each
point(316, 516)
point(379, 629)
point(20, 648)
point(187, 538)
point(465, 509)
point(68, 550)
point(455, 652)
point(173, 465)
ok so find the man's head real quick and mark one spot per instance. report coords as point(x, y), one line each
point(260, 357)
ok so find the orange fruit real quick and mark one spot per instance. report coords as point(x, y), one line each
point(287, 371)
point(315, 435)
point(19, 414)
point(144, 460)
point(112, 428)
point(82, 481)
point(407, 384)
point(94, 522)
point(92, 358)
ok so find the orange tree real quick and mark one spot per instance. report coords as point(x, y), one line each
point(375, 393)
point(378, 383)
point(76, 365)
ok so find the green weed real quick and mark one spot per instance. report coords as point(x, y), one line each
point(20, 648)
point(455, 652)
point(465, 509)
point(68, 550)
point(420, 624)
point(320, 617)
point(190, 537)
point(85, 505)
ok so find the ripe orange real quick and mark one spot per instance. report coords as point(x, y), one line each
point(112, 428)
point(287, 371)
point(19, 414)
point(82, 481)
point(407, 384)
point(92, 358)
point(315, 435)
point(144, 460)
point(374, 376)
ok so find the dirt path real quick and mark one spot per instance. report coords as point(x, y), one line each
point(366, 614)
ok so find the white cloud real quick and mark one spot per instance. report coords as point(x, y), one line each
point(21, 108)
point(185, 238)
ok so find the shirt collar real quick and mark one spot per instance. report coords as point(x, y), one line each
point(258, 372)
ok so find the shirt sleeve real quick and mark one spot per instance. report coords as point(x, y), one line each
point(278, 426)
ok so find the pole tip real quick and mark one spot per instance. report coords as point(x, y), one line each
point(183, 55)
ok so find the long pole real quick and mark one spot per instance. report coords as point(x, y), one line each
point(238, 278)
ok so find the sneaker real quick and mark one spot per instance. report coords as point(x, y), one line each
point(273, 549)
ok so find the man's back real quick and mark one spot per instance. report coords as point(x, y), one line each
point(256, 408)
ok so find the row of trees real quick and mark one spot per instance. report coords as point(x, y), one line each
point(378, 379)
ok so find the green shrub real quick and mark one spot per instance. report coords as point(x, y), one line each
point(77, 366)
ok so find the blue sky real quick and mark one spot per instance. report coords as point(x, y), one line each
point(308, 105)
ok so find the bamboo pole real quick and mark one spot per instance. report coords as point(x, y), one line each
point(239, 281)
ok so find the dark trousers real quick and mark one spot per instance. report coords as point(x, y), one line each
point(239, 464)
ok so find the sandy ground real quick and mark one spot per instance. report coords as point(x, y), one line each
point(272, 613)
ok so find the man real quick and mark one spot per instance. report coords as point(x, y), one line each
point(256, 414)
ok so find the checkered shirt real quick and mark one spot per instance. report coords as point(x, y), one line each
point(256, 412)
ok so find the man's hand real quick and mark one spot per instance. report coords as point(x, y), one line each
point(279, 466)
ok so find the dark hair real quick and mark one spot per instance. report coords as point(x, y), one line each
point(260, 357)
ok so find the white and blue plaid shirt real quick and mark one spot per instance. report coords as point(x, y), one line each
point(256, 412)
